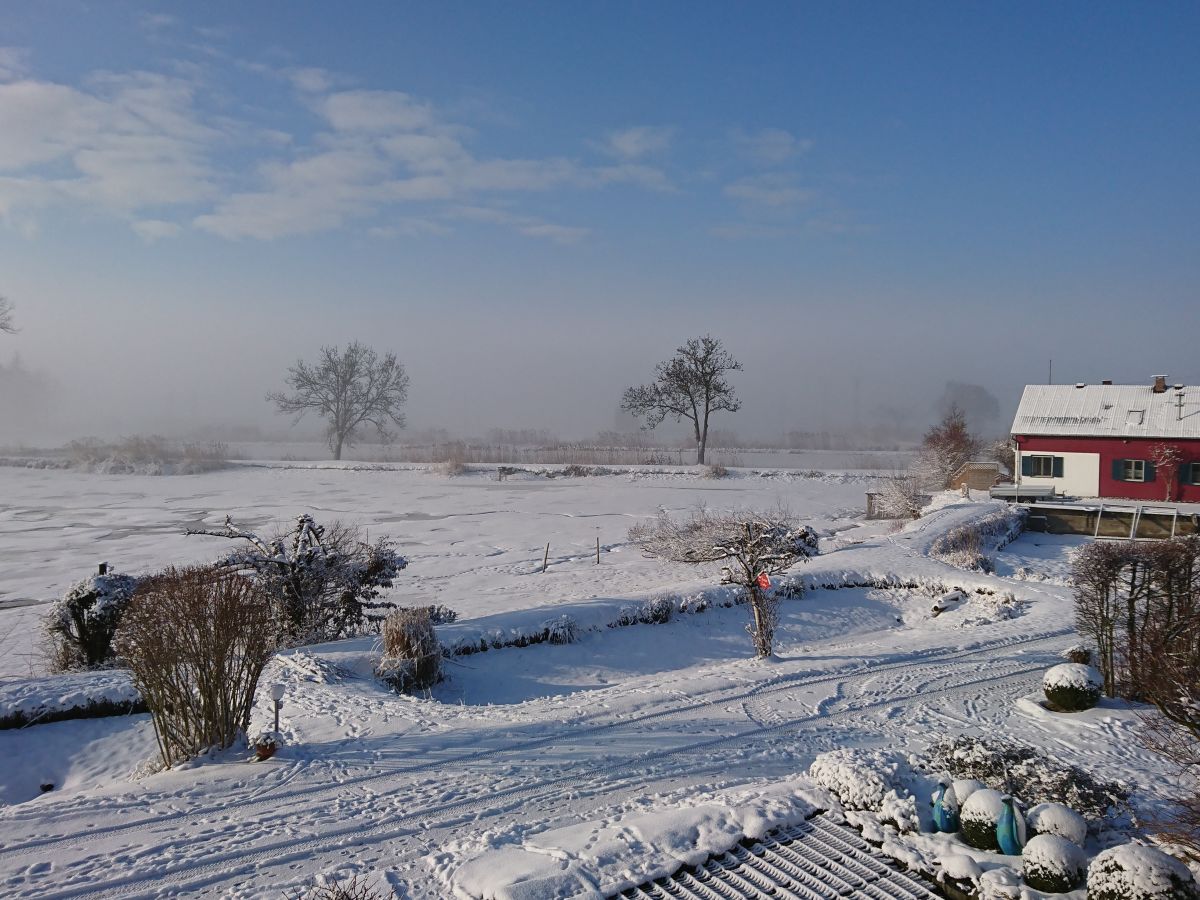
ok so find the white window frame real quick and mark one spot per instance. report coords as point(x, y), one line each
point(1133, 470)
point(1033, 465)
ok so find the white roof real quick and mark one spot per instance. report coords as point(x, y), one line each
point(1108, 410)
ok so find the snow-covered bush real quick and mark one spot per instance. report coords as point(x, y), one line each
point(900, 496)
point(979, 816)
point(862, 779)
point(412, 656)
point(196, 640)
point(1138, 872)
point(1027, 774)
point(1054, 818)
point(970, 545)
point(1078, 654)
point(561, 630)
point(451, 468)
point(1072, 687)
point(323, 582)
point(900, 811)
point(81, 625)
point(1052, 864)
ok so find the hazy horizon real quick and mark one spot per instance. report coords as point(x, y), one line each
point(532, 205)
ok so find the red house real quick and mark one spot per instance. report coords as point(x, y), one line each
point(1110, 440)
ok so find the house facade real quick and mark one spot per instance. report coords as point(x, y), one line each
point(1119, 441)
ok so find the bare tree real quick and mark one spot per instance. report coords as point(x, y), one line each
point(946, 446)
point(350, 389)
point(757, 544)
point(6, 316)
point(691, 385)
point(1166, 459)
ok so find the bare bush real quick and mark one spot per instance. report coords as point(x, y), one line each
point(450, 468)
point(716, 470)
point(901, 496)
point(350, 889)
point(146, 455)
point(323, 582)
point(412, 655)
point(196, 640)
point(758, 544)
point(970, 545)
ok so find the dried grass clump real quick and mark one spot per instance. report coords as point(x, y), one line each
point(412, 654)
point(196, 640)
point(450, 467)
point(350, 889)
point(716, 471)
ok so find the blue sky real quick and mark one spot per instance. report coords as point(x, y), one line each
point(533, 203)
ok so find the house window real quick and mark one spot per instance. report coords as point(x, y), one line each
point(1194, 473)
point(1133, 470)
point(1042, 466)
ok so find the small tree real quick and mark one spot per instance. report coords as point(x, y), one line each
point(350, 390)
point(691, 385)
point(947, 445)
point(196, 641)
point(81, 625)
point(757, 544)
point(6, 316)
point(1166, 459)
point(322, 583)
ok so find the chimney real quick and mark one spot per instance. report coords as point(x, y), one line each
point(1160, 384)
point(1080, 384)
point(1107, 381)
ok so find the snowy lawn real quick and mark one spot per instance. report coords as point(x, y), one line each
point(630, 731)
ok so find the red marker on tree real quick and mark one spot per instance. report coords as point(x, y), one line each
point(763, 581)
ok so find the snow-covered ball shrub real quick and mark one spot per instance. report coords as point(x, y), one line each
point(1078, 654)
point(412, 655)
point(1052, 864)
point(1138, 872)
point(82, 624)
point(1054, 818)
point(657, 611)
point(562, 630)
point(979, 816)
point(1072, 687)
point(965, 787)
point(861, 779)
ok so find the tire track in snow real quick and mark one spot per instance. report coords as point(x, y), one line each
point(273, 803)
point(236, 862)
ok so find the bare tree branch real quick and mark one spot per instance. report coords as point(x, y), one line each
point(349, 390)
point(6, 316)
point(691, 385)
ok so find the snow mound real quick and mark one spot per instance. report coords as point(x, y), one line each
point(862, 779)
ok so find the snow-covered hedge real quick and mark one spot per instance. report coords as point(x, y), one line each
point(1027, 774)
point(863, 779)
point(979, 816)
point(970, 545)
point(1072, 687)
point(74, 695)
point(1138, 872)
point(1052, 864)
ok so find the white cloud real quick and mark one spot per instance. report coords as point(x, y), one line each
point(151, 230)
point(638, 141)
point(529, 226)
point(13, 63)
point(375, 112)
point(774, 190)
point(310, 79)
point(770, 146)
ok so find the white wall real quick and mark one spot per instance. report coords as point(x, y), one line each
point(1080, 478)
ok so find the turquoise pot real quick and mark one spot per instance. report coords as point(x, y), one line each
point(945, 808)
point(1010, 829)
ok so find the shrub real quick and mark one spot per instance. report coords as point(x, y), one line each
point(1054, 818)
point(323, 583)
point(1137, 872)
point(968, 545)
point(862, 779)
point(412, 655)
point(563, 630)
point(979, 816)
point(450, 467)
point(716, 471)
point(1026, 773)
point(349, 889)
point(1072, 687)
point(1078, 654)
point(196, 640)
point(1052, 864)
point(81, 625)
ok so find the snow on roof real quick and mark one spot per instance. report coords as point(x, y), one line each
point(1108, 410)
point(815, 859)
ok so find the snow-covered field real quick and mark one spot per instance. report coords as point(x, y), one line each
point(603, 762)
